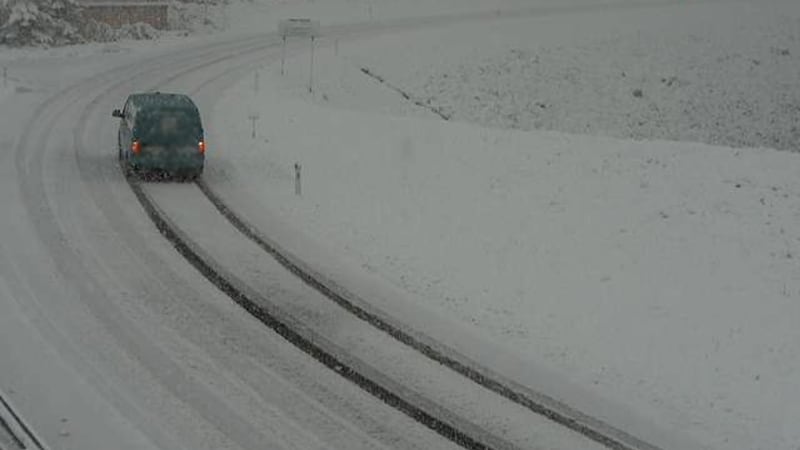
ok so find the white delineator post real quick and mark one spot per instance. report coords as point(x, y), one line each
point(283, 53)
point(311, 68)
point(5, 76)
point(253, 117)
point(297, 186)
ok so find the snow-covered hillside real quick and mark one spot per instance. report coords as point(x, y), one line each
point(693, 87)
point(731, 81)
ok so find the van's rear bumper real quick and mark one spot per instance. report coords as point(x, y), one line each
point(171, 161)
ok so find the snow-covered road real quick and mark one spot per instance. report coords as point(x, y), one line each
point(110, 339)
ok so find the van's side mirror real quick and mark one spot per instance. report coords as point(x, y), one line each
point(117, 113)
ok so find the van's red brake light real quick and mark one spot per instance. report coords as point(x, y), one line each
point(136, 147)
point(201, 146)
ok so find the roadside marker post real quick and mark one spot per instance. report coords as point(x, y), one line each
point(297, 185)
point(283, 53)
point(311, 68)
point(253, 117)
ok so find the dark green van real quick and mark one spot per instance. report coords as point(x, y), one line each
point(161, 131)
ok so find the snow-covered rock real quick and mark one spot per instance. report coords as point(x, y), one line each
point(40, 22)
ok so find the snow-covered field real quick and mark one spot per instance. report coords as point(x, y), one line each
point(729, 80)
point(704, 85)
point(661, 275)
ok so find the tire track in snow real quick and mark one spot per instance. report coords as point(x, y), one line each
point(29, 161)
point(536, 402)
point(420, 409)
point(112, 211)
point(21, 434)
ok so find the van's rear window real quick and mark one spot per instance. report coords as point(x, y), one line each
point(168, 127)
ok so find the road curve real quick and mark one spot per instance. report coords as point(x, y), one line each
point(167, 356)
point(115, 340)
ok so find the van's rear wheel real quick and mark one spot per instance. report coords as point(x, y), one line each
point(129, 170)
point(124, 164)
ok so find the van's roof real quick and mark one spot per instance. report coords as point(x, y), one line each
point(162, 99)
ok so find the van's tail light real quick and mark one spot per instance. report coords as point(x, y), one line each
point(201, 146)
point(136, 147)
